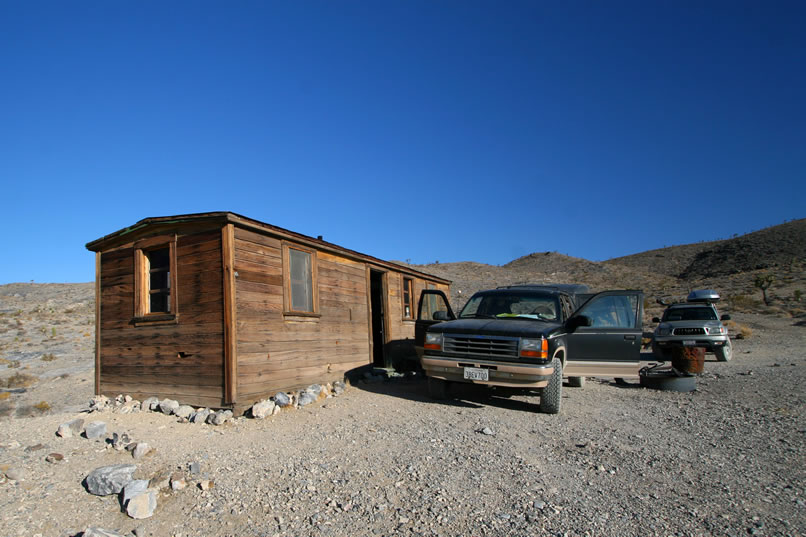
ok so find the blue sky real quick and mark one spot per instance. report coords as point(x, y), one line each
point(426, 131)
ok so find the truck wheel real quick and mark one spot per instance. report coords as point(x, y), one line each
point(725, 352)
point(551, 396)
point(576, 382)
point(437, 388)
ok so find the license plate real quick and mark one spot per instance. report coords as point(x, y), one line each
point(476, 373)
point(689, 342)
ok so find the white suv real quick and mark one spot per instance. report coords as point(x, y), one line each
point(695, 323)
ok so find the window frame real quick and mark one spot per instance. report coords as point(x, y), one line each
point(403, 280)
point(142, 281)
point(287, 302)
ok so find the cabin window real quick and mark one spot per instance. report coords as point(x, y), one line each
point(159, 280)
point(300, 281)
point(407, 294)
point(155, 280)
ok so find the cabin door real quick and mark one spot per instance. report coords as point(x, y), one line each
point(377, 304)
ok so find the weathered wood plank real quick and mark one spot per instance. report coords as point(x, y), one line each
point(173, 376)
point(230, 335)
point(257, 238)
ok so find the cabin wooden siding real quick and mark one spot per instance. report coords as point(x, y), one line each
point(231, 342)
point(144, 360)
point(281, 351)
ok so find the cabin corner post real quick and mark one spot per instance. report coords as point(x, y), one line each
point(97, 323)
point(230, 350)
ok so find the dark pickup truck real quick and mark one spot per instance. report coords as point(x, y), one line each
point(529, 337)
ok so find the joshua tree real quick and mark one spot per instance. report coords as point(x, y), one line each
point(763, 282)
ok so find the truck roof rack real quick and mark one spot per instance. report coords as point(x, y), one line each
point(708, 296)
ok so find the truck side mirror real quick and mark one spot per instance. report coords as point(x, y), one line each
point(655, 319)
point(725, 317)
point(441, 316)
point(577, 321)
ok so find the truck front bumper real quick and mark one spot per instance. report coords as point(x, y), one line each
point(506, 374)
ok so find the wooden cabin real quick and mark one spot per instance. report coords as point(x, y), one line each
point(219, 310)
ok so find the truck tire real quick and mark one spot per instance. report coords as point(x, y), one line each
point(725, 352)
point(668, 382)
point(551, 396)
point(576, 382)
point(437, 388)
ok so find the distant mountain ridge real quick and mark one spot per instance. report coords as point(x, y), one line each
point(729, 266)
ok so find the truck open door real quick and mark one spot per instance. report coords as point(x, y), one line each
point(433, 308)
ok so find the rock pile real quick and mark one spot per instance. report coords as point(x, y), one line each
point(124, 404)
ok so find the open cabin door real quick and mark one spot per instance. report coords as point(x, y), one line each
point(611, 345)
point(433, 308)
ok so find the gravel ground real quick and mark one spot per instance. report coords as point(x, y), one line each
point(383, 459)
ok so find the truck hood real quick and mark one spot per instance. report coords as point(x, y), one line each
point(497, 327)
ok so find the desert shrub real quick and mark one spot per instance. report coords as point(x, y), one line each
point(4, 396)
point(13, 364)
point(18, 380)
point(745, 302)
point(741, 331)
point(3, 361)
point(797, 295)
point(48, 357)
point(42, 406)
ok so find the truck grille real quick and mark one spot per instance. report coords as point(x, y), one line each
point(490, 347)
point(689, 331)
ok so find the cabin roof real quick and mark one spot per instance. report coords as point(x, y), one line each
point(226, 217)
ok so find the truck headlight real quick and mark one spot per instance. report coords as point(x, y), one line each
point(716, 330)
point(433, 342)
point(534, 348)
point(664, 329)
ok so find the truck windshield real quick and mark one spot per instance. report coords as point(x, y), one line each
point(696, 313)
point(510, 305)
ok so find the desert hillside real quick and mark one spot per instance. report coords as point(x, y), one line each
point(730, 266)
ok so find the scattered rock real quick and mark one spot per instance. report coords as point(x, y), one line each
point(150, 403)
point(178, 483)
point(194, 468)
point(282, 399)
point(121, 441)
point(141, 449)
point(54, 457)
point(35, 447)
point(109, 479)
point(486, 431)
point(142, 505)
point(206, 484)
point(99, 403)
point(132, 489)
point(185, 411)
point(262, 409)
point(339, 387)
point(306, 398)
point(200, 416)
point(70, 428)
point(129, 406)
point(95, 429)
point(219, 417)
point(168, 406)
